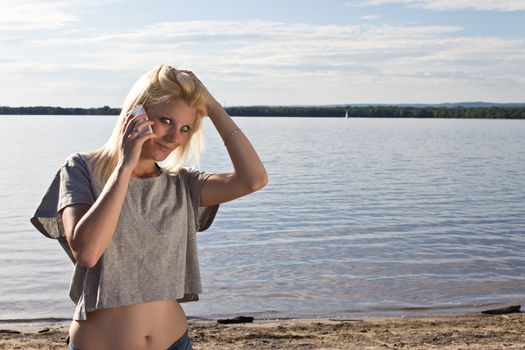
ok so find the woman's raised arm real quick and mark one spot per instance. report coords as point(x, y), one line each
point(249, 173)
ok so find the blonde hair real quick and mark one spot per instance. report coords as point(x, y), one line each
point(161, 84)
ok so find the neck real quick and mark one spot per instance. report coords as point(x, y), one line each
point(146, 170)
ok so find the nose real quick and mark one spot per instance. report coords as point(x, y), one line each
point(174, 136)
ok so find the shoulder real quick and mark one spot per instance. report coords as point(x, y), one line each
point(186, 172)
point(77, 158)
point(78, 166)
point(189, 176)
point(182, 172)
point(178, 176)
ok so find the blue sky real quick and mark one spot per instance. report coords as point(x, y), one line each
point(76, 53)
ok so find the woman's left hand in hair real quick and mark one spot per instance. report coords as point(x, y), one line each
point(211, 102)
point(249, 174)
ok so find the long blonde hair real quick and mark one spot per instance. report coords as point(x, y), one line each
point(161, 84)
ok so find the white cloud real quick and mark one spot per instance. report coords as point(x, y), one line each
point(450, 5)
point(316, 63)
point(247, 48)
point(24, 15)
point(370, 17)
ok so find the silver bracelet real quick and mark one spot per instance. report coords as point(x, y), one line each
point(230, 135)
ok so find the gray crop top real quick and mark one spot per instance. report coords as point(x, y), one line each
point(153, 253)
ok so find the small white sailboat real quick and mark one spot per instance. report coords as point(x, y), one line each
point(346, 114)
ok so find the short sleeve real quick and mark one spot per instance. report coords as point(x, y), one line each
point(75, 183)
point(205, 215)
point(71, 185)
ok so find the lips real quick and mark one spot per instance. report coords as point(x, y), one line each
point(164, 148)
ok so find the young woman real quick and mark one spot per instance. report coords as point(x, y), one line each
point(130, 226)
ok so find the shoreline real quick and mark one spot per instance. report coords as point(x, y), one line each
point(470, 331)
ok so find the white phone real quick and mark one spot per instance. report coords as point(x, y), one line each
point(138, 110)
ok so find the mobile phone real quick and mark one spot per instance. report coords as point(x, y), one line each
point(138, 110)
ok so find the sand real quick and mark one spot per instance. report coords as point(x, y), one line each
point(451, 332)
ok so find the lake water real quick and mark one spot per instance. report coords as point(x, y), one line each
point(362, 217)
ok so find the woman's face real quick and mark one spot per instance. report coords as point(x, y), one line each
point(173, 122)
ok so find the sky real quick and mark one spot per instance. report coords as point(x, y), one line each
point(74, 53)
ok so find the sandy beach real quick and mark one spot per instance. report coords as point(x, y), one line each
point(476, 331)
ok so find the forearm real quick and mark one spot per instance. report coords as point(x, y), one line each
point(246, 163)
point(95, 229)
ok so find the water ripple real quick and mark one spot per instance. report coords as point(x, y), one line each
point(361, 217)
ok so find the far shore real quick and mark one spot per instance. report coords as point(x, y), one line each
point(439, 111)
point(473, 331)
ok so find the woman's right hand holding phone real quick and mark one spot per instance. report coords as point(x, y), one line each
point(135, 131)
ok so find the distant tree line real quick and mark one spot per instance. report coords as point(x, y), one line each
point(328, 112)
point(47, 110)
point(382, 112)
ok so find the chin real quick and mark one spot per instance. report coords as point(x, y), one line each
point(152, 151)
point(162, 156)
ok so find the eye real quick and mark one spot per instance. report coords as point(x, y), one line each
point(166, 121)
point(185, 128)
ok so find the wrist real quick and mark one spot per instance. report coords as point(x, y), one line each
point(123, 169)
